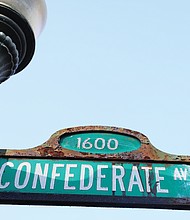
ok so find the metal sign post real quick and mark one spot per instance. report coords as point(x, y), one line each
point(95, 166)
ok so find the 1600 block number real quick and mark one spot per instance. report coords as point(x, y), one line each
point(98, 143)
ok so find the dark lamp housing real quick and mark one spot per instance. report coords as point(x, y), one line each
point(21, 21)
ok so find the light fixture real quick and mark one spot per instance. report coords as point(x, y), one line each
point(21, 22)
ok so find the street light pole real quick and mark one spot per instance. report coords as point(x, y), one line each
point(21, 22)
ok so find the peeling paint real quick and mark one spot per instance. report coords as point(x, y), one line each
point(52, 149)
point(146, 155)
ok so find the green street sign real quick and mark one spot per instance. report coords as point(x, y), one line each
point(94, 178)
point(95, 166)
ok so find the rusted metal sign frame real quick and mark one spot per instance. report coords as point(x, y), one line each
point(52, 150)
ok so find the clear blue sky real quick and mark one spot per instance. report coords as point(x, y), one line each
point(113, 62)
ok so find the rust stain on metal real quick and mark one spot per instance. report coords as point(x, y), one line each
point(52, 148)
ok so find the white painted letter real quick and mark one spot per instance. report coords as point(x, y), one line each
point(82, 176)
point(55, 174)
point(182, 174)
point(100, 177)
point(69, 175)
point(135, 174)
point(147, 175)
point(118, 177)
point(18, 173)
point(158, 179)
point(42, 175)
point(2, 170)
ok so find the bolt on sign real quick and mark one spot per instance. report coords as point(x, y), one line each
point(95, 166)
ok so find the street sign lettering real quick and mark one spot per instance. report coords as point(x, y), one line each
point(95, 166)
point(101, 143)
point(94, 178)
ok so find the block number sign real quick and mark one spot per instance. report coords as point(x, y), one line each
point(95, 166)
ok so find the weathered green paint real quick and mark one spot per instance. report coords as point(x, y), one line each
point(100, 142)
point(79, 177)
point(95, 166)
